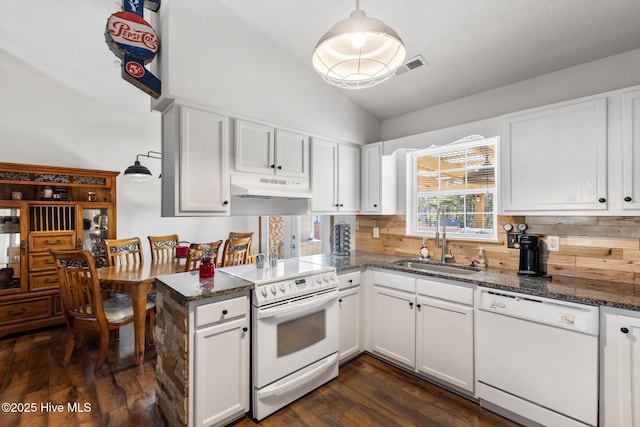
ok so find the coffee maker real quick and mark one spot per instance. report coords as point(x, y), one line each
point(529, 255)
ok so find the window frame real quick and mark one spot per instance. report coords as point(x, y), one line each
point(413, 194)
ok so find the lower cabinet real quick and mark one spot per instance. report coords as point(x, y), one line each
point(221, 361)
point(350, 304)
point(620, 368)
point(394, 321)
point(444, 332)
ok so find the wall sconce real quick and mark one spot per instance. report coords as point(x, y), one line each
point(137, 172)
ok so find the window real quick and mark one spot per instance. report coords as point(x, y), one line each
point(459, 179)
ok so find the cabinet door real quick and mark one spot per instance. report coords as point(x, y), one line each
point(628, 370)
point(221, 372)
point(394, 325)
point(324, 162)
point(292, 154)
point(254, 148)
point(348, 178)
point(445, 341)
point(195, 178)
point(631, 150)
point(13, 260)
point(555, 158)
point(350, 342)
point(371, 156)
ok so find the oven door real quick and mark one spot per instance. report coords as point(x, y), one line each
point(290, 335)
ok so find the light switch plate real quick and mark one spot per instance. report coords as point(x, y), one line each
point(376, 232)
point(553, 243)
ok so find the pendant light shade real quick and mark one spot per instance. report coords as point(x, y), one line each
point(358, 52)
point(137, 172)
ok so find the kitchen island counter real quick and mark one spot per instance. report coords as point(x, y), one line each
point(580, 290)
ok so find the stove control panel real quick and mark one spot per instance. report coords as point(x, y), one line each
point(291, 288)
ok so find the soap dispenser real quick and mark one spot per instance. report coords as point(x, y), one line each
point(424, 251)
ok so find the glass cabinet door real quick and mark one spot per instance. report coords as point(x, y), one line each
point(95, 227)
point(11, 261)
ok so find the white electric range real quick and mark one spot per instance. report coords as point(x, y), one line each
point(295, 334)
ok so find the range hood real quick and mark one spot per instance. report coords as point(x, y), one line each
point(260, 186)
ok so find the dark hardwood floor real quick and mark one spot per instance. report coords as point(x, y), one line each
point(368, 392)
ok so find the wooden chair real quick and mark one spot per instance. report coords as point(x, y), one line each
point(83, 305)
point(235, 251)
point(163, 248)
point(238, 235)
point(195, 253)
point(123, 251)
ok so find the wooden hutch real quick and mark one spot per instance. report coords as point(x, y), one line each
point(42, 208)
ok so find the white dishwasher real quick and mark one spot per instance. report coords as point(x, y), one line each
point(537, 359)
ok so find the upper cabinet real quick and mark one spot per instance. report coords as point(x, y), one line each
point(195, 173)
point(631, 150)
point(335, 177)
point(554, 158)
point(263, 149)
point(383, 181)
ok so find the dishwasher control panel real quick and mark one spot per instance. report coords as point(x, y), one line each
point(562, 314)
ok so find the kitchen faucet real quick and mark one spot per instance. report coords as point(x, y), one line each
point(445, 255)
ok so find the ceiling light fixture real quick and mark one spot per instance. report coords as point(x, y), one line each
point(358, 52)
point(137, 172)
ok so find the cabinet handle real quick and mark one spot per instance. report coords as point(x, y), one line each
point(50, 281)
point(79, 243)
point(224, 312)
point(279, 167)
point(411, 304)
point(245, 329)
point(627, 199)
point(23, 247)
point(375, 206)
point(624, 330)
point(602, 200)
point(17, 313)
point(225, 203)
point(57, 242)
point(340, 300)
point(341, 205)
point(272, 166)
point(48, 261)
point(350, 280)
point(418, 306)
point(336, 205)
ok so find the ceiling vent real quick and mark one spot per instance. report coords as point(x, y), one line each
point(412, 64)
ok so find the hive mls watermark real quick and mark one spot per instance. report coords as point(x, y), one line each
point(48, 407)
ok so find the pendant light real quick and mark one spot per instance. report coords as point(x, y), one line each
point(358, 52)
point(137, 172)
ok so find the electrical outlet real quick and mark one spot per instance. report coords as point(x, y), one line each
point(553, 243)
point(376, 232)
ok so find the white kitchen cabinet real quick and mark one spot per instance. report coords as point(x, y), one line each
point(380, 179)
point(554, 158)
point(445, 332)
point(195, 175)
point(620, 368)
point(335, 177)
point(350, 302)
point(221, 361)
point(263, 149)
point(394, 320)
point(631, 150)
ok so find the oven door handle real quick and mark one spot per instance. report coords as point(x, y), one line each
point(298, 306)
point(275, 390)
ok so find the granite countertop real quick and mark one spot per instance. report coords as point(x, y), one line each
point(190, 287)
point(585, 291)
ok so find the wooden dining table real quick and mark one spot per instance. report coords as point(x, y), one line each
point(137, 280)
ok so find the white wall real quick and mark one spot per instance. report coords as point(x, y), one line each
point(614, 72)
point(210, 57)
point(43, 122)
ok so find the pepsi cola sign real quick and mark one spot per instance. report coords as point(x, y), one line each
point(134, 41)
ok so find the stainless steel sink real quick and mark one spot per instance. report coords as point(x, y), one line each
point(436, 267)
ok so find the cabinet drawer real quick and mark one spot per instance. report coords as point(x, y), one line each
point(454, 292)
point(39, 242)
point(349, 280)
point(41, 261)
point(395, 281)
point(19, 311)
point(44, 280)
point(221, 311)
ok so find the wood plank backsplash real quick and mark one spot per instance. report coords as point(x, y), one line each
point(593, 248)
